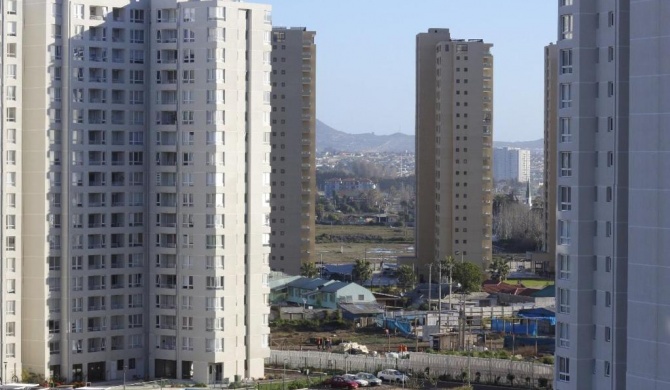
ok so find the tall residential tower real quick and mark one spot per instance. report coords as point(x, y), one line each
point(293, 148)
point(454, 108)
point(144, 156)
point(592, 196)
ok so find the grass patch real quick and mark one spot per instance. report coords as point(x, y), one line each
point(394, 240)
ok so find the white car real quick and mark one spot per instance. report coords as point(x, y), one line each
point(361, 382)
point(392, 375)
point(372, 380)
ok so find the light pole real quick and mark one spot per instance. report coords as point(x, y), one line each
point(430, 286)
point(283, 378)
point(439, 298)
point(125, 367)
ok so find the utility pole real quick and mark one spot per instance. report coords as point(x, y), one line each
point(439, 299)
point(430, 286)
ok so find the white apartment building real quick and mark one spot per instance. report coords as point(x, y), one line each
point(293, 148)
point(454, 112)
point(141, 143)
point(511, 164)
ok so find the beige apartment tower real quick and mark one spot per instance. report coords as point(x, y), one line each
point(454, 108)
point(141, 140)
point(293, 148)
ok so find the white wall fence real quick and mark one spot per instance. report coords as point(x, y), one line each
point(488, 368)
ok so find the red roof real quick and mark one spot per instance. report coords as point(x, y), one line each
point(493, 287)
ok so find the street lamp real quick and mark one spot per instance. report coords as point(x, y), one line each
point(125, 367)
point(283, 378)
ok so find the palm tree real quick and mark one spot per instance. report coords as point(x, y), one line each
point(362, 271)
point(309, 270)
point(499, 269)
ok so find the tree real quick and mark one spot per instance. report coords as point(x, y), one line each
point(362, 271)
point(309, 270)
point(406, 276)
point(499, 269)
point(469, 275)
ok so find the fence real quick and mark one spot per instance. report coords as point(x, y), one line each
point(488, 369)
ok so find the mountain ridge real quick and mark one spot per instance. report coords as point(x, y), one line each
point(333, 140)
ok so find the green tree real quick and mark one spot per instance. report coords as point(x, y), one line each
point(362, 271)
point(499, 269)
point(406, 276)
point(469, 275)
point(309, 270)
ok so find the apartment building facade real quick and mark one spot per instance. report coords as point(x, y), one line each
point(454, 103)
point(592, 213)
point(293, 148)
point(511, 164)
point(143, 190)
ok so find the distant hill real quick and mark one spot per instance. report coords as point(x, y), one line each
point(537, 144)
point(328, 138)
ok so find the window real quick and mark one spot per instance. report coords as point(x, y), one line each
point(11, 93)
point(136, 36)
point(10, 328)
point(566, 95)
point(564, 129)
point(564, 232)
point(215, 138)
point(188, 76)
point(610, 88)
point(136, 16)
point(11, 114)
point(214, 200)
point(216, 34)
point(608, 299)
point(610, 159)
point(189, 14)
point(216, 117)
point(566, 164)
point(212, 324)
point(566, 26)
point(565, 198)
point(608, 334)
point(563, 332)
point(214, 179)
point(187, 282)
point(10, 350)
point(566, 2)
point(216, 75)
point(564, 266)
point(214, 282)
point(216, 13)
point(188, 55)
point(610, 19)
point(607, 368)
point(563, 369)
point(608, 264)
point(216, 55)
point(213, 262)
point(566, 61)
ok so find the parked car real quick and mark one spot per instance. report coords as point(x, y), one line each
point(392, 375)
point(372, 380)
point(361, 382)
point(342, 382)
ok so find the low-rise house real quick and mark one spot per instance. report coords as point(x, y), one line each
point(343, 292)
point(320, 293)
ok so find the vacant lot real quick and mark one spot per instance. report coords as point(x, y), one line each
point(347, 243)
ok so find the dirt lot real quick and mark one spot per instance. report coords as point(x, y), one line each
point(395, 242)
point(372, 337)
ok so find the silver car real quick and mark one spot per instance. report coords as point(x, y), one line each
point(372, 380)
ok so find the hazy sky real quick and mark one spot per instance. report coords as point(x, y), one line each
point(366, 58)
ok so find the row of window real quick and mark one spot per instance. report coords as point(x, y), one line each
point(564, 265)
point(563, 373)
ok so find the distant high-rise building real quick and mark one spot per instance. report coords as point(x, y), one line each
point(511, 164)
point(550, 166)
point(137, 135)
point(454, 106)
point(293, 148)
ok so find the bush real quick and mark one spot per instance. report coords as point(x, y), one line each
point(547, 359)
point(543, 382)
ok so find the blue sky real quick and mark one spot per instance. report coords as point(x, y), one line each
point(365, 57)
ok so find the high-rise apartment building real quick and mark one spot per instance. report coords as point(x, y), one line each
point(141, 142)
point(454, 103)
point(592, 144)
point(548, 260)
point(293, 148)
point(511, 164)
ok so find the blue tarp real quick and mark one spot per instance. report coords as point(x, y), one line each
point(525, 327)
point(539, 314)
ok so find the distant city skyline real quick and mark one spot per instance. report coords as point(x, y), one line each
point(366, 57)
